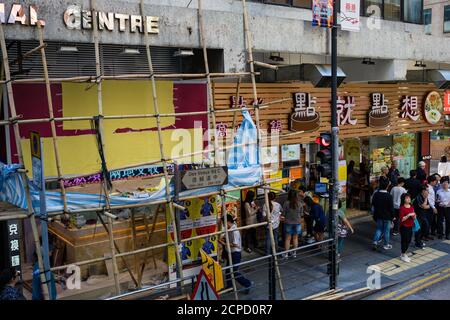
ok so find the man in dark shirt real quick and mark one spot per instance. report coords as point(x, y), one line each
point(393, 174)
point(421, 207)
point(412, 185)
point(383, 213)
point(421, 173)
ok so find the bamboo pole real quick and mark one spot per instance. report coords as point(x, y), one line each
point(133, 247)
point(149, 237)
point(136, 116)
point(249, 47)
point(179, 264)
point(100, 129)
point(236, 103)
point(12, 107)
point(52, 120)
point(227, 241)
point(211, 107)
point(131, 77)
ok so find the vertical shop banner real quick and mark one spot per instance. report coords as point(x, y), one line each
point(322, 11)
point(199, 218)
point(349, 15)
point(14, 244)
point(447, 103)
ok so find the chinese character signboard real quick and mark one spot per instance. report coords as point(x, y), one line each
point(304, 118)
point(447, 102)
point(322, 11)
point(379, 116)
point(344, 111)
point(13, 244)
point(433, 108)
point(410, 108)
point(349, 15)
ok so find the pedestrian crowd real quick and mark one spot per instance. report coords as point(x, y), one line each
point(415, 208)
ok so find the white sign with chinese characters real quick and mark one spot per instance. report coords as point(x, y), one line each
point(349, 15)
point(410, 108)
point(13, 244)
point(345, 110)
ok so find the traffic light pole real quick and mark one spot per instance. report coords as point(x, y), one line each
point(334, 190)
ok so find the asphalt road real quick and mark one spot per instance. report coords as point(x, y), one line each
point(434, 285)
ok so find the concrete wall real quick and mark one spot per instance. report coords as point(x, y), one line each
point(275, 28)
point(437, 16)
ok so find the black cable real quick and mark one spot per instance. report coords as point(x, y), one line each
point(95, 125)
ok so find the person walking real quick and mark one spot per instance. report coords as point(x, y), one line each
point(412, 185)
point(421, 208)
point(292, 215)
point(8, 285)
point(275, 210)
point(393, 174)
point(235, 248)
point(396, 194)
point(383, 214)
point(443, 200)
point(432, 212)
point(421, 173)
point(251, 212)
point(342, 228)
point(318, 216)
point(406, 216)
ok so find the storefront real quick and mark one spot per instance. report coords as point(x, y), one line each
point(380, 124)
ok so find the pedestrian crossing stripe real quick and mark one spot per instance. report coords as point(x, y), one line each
point(446, 241)
point(418, 257)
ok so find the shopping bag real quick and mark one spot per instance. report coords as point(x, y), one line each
point(416, 226)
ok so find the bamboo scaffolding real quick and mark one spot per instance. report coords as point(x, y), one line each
point(249, 47)
point(50, 112)
point(12, 107)
point(137, 116)
point(98, 74)
point(179, 265)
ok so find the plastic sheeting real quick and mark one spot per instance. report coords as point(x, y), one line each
point(243, 170)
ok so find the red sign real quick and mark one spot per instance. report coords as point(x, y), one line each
point(447, 102)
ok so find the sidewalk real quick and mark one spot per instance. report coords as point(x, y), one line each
point(307, 274)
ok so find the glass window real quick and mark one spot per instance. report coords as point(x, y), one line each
point(413, 11)
point(368, 3)
point(447, 19)
point(302, 3)
point(392, 10)
point(427, 20)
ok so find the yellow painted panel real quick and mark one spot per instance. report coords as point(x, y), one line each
point(120, 97)
point(79, 154)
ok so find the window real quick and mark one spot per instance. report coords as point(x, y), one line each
point(447, 19)
point(302, 3)
point(392, 10)
point(412, 11)
point(427, 20)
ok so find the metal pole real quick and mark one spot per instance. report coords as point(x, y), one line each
point(334, 182)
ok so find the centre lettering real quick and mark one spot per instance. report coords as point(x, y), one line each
point(75, 18)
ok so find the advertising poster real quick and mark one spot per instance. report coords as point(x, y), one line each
point(199, 218)
point(322, 11)
point(352, 150)
point(232, 206)
point(403, 152)
point(290, 152)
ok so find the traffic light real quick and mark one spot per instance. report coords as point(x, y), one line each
point(324, 155)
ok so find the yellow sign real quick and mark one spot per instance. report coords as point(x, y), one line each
point(213, 270)
point(278, 184)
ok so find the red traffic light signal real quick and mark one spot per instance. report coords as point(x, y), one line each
point(324, 140)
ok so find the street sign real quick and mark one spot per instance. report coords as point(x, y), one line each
point(213, 270)
point(202, 178)
point(204, 290)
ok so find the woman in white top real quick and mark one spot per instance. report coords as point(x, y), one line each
point(251, 211)
point(275, 214)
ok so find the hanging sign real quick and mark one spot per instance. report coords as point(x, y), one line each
point(13, 244)
point(433, 107)
point(322, 11)
point(304, 118)
point(379, 116)
point(349, 15)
